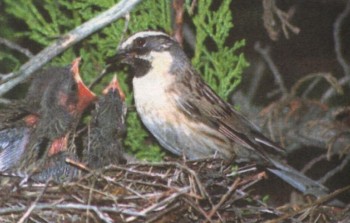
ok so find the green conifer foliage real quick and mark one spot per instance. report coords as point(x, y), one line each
point(47, 20)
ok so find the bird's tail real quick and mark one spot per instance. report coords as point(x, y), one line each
point(298, 180)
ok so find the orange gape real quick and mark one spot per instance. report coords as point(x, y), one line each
point(58, 145)
point(85, 96)
point(31, 120)
point(114, 85)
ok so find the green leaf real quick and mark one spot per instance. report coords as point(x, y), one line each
point(221, 68)
point(47, 20)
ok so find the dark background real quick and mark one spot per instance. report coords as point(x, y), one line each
point(310, 51)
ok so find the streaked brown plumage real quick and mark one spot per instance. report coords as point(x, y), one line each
point(187, 117)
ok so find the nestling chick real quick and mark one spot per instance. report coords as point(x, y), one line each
point(62, 102)
point(102, 145)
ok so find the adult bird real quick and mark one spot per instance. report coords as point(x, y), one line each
point(188, 118)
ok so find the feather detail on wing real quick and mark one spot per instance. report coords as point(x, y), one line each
point(203, 105)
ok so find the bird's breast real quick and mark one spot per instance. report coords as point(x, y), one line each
point(151, 91)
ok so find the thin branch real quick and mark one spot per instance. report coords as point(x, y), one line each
point(119, 10)
point(201, 188)
point(16, 47)
point(330, 92)
point(336, 170)
point(284, 18)
point(176, 206)
point(32, 206)
point(98, 78)
point(196, 207)
point(162, 203)
point(5, 101)
point(193, 5)
point(338, 51)
point(270, 23)
point(265, 54)
point(310, 164)
point(337, 39)
point(126, 26)
point(189, 36)
point(311, 86)
point(224, 198)
point(178, 6)
point(254, 85)
point(319, 201)
point(327, 76)
point(104, 70)
point(69, 207)
point(103, 216)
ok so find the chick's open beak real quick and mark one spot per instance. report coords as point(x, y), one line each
point(85, 96)
point(114, 86)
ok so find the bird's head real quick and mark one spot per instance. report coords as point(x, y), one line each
point(114, 88)
point(149, 50)
point(83, 93)
point(66, 90)
point(110, 111)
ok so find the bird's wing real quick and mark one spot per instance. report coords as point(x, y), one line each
point(12, 145)
point(200, 102)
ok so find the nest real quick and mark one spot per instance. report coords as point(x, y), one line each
point(201, 191)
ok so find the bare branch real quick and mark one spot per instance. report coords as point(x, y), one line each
point(327, 76)
point(313, 204)
point(32, 206)
point(224, 198)
point(270, 23)
point(337, 39)
point(265, 54)
point(338, 51)
point(336, 170)
point(330, 92)
point(70, 206)
point(119, 10)
point(16, 47)
point(254, 85)
point(178, 6)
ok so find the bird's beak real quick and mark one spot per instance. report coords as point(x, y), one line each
point(85, 96)
point(117, 58)
point(122, 56)
point(114, 86)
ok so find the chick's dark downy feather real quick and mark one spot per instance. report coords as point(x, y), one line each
point(102, 145)
point(59, 109)
point(19, 119)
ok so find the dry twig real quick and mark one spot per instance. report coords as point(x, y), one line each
point(178, 6)
point(338, 51)
point(16, 47)
point(265, 54)
point(167, 192)
point(270, 23)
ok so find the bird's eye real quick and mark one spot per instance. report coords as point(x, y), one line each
point(140, 42)
point(73, 87)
